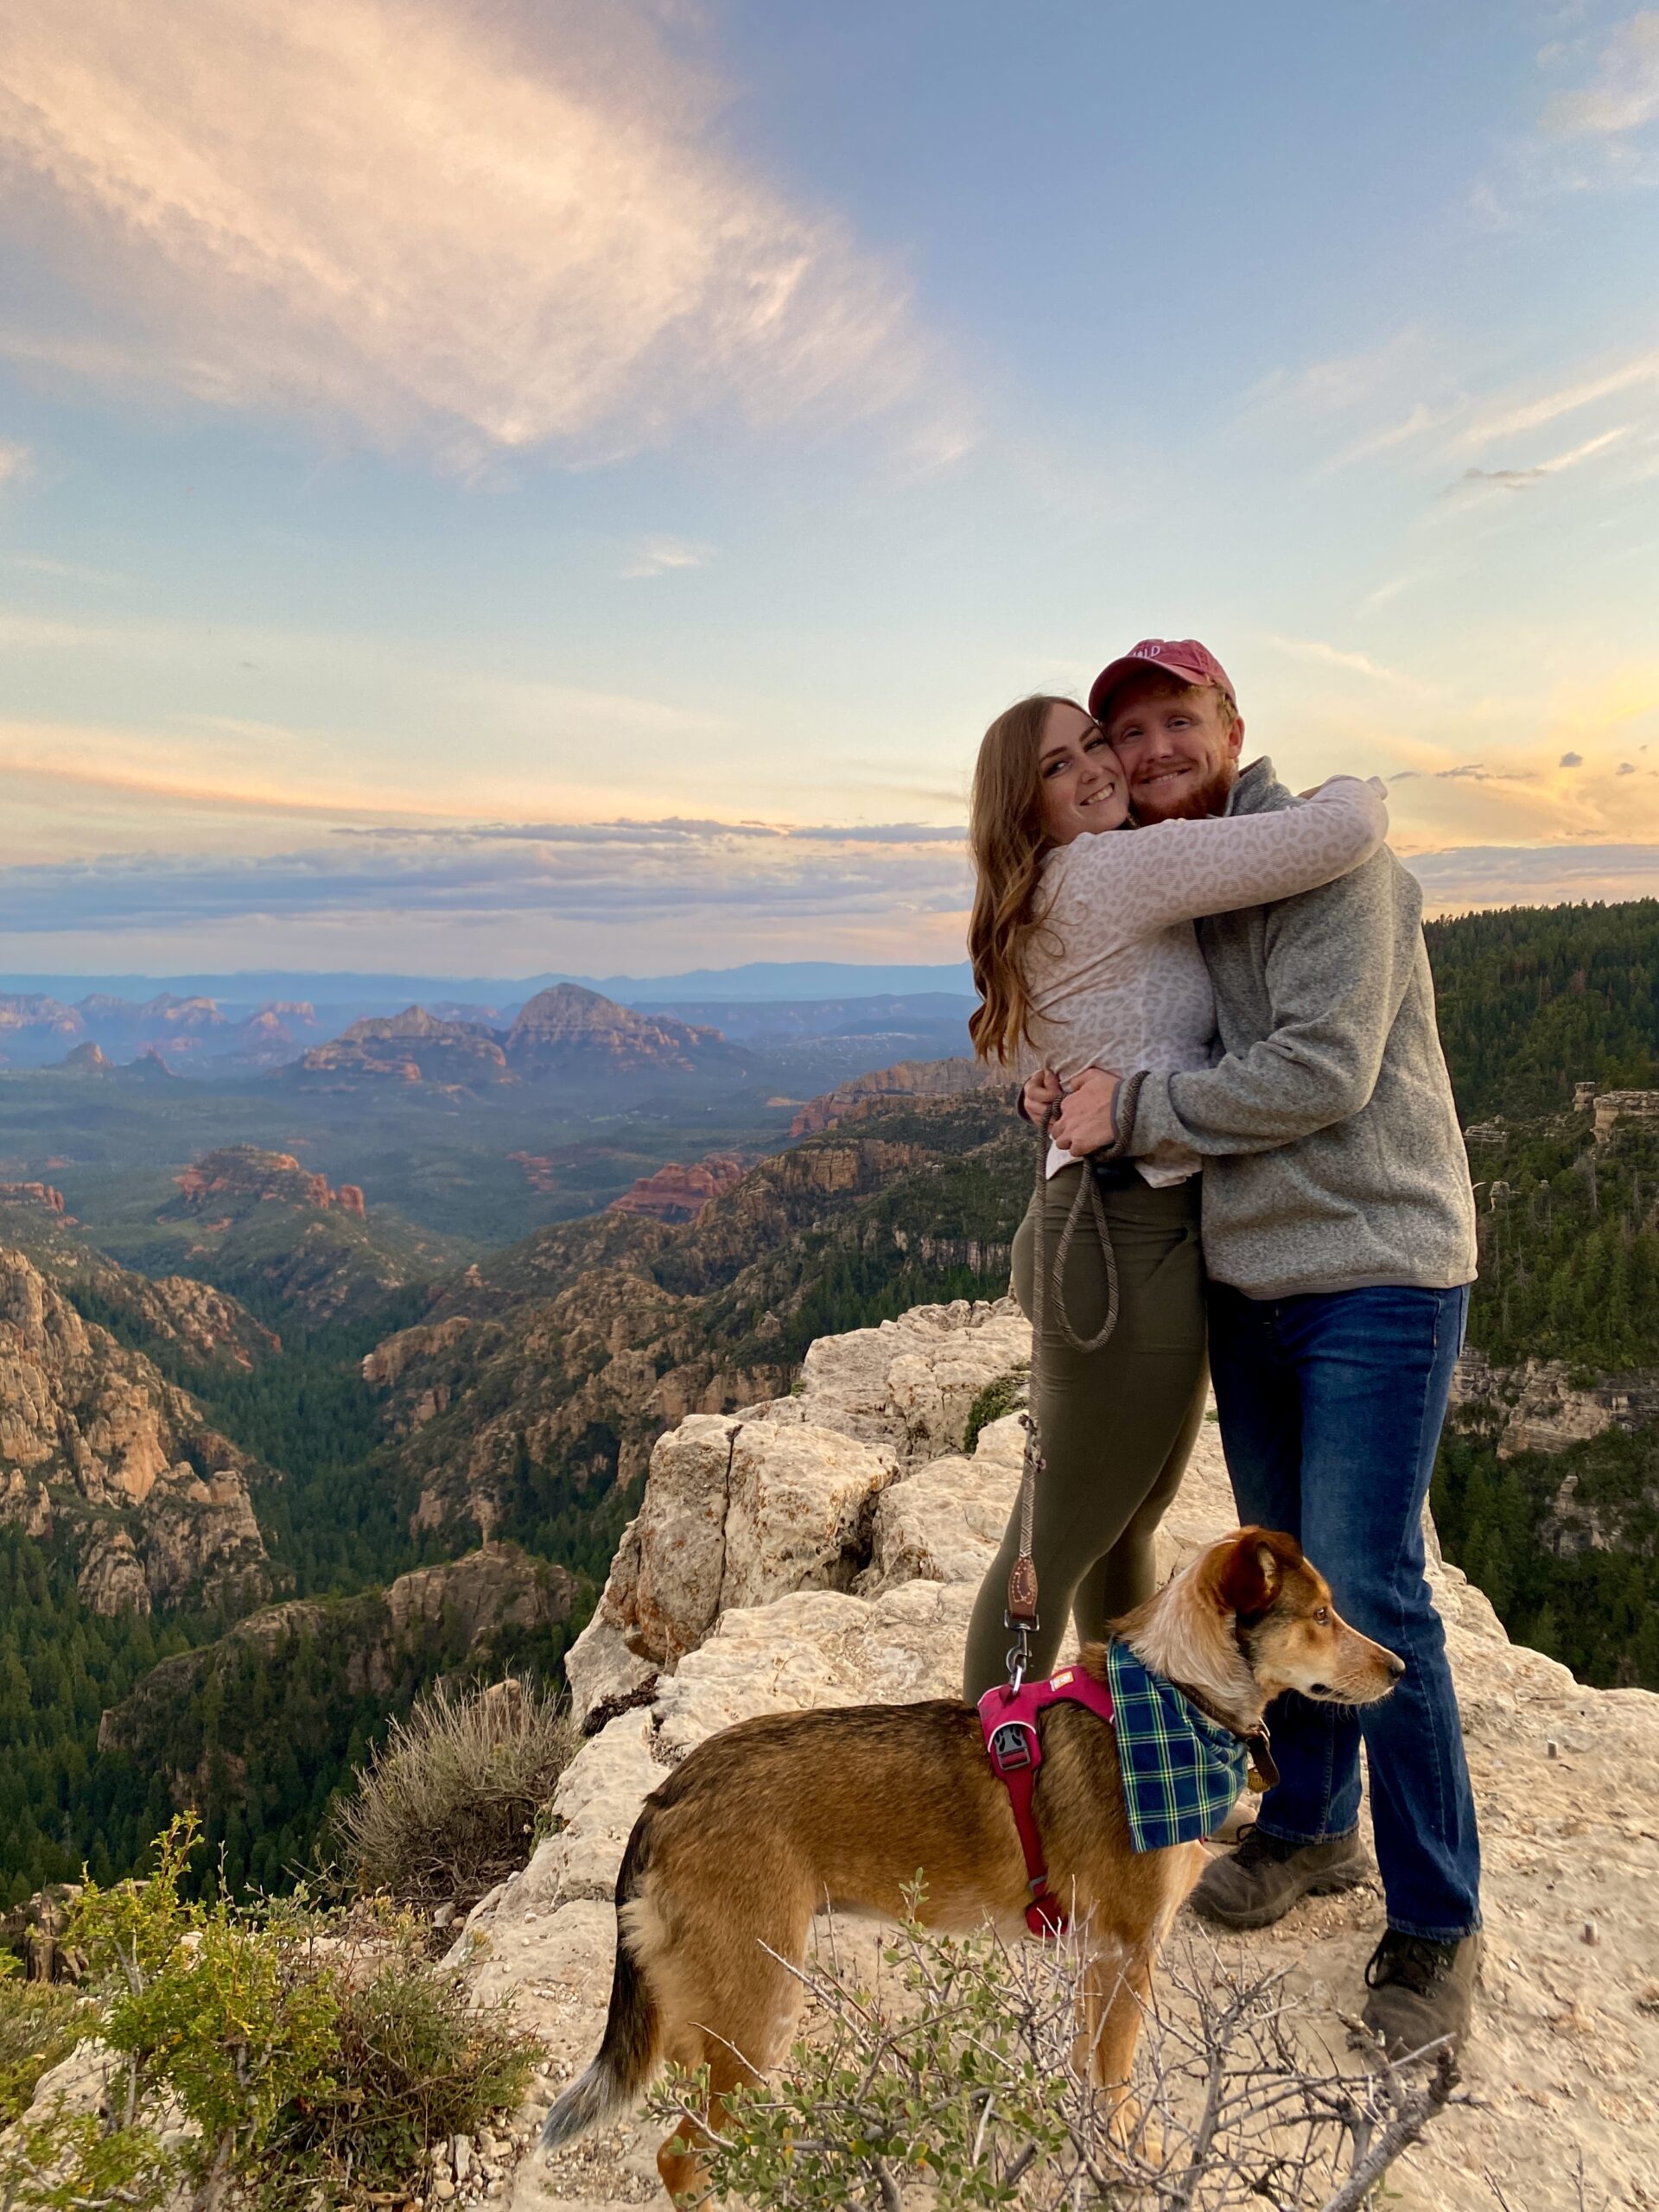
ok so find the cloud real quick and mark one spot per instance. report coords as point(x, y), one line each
point(1521, 479)
point(1640, 371)
point(1315, 650)
point(42, 565)
point(475, 231)
point(656, 557)
point(610, 872)
point(1627, 768)
point(1466, 877)
point(1571, 760)
point(14, 461)
point(1625, 93)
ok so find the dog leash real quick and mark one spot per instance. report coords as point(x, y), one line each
point(1020, 1615)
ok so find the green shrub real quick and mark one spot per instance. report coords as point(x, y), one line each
point(268, 2057)
point(413, 2065)
point(40, 2022)
point(1000, 1396)
point(446, 1807)
point(953, 2083)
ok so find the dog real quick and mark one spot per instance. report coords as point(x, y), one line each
point(775, 1819)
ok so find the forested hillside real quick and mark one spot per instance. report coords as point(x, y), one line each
point(1534, 999)
point(1563, 1542)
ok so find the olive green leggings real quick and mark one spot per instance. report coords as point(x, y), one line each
point(1117, 1425)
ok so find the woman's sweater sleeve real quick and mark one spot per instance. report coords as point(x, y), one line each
point(1177, 870)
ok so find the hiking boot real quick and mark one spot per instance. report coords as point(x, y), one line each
point(1266, 1876)
point(1422, 1992)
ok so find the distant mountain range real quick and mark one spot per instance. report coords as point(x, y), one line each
point(567, 1033)
point(494, 1033)
point(755, 979)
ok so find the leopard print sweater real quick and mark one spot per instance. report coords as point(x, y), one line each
point(1116, 975)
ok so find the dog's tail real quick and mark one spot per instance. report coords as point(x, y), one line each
point(627, 2052)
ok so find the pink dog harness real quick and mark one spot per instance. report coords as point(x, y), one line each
point(1009, 1718)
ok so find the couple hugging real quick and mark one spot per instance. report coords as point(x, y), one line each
point(1229, 994)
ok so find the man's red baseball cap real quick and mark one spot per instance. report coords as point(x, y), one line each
point(1184, 658)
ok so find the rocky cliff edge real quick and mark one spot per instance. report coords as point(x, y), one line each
point(824, 1548)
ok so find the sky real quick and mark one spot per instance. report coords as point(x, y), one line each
point(494, 485)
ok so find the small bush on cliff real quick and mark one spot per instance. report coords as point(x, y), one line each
point(1000, 1396)
point(954, 2077)
point(446, 1807)
point(272, 2057)
point(40, 2022)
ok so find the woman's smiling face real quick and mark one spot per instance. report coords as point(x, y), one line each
point(1083, 785)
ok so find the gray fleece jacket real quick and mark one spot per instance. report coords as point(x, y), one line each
point(1332, 1155)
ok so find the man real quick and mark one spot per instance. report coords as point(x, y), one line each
point(1339, 1232)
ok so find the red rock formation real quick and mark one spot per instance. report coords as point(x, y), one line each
point(245, 1175)
point(39, 1194)
point(676, 1193)
point(570, 1031)
point(909, 1079)
point(414, 1046)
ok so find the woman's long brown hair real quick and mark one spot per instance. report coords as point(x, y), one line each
point(1006, 836)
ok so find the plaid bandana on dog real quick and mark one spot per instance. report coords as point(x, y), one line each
point(1182, 1772)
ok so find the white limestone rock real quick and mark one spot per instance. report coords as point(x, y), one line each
point(944, 1521)
point(815, 1648)
point(596, 1805)
point(908, 1384)
point(735, 1512)
point(680, 1539)
point(599, 1667)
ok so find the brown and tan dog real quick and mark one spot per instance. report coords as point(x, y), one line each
point(771, 1821)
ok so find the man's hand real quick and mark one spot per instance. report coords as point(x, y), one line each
point(1042, 1091)
point(1084, 1123)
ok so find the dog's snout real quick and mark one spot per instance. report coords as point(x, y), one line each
point(1395, 1663)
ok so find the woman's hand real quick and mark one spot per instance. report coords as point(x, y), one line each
point(1042, 1091)
point(1087, 1120)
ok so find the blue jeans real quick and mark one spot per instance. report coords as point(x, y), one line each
point(1330, 1408)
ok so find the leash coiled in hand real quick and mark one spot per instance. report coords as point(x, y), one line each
point(1021, 1614)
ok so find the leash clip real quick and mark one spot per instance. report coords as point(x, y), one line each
point(1018, 1660)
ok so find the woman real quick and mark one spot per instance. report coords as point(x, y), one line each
point(1084, 954)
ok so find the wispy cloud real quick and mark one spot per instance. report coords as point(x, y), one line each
point(1326, 656)
point(585, 872)
point(476, 230)
point(1472, 876)
point(1625, 93)
point(74, 572)
point(1509, 420)
point(658, 557)
point(14, 461)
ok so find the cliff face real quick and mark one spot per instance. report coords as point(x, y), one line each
point(414, 1046)
point(238, 1177)
point(568, 1030)
point(266, 1228)
point(1545, 1405)
point(477, 1611)
point(676, 1193)
point(825, 1549)
point(95, 1443)
point(572, 1390)
point(907, 1079)
point(43, 1195)
point(583, 1343)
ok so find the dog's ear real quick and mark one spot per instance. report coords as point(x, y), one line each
point(1252, 1572)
